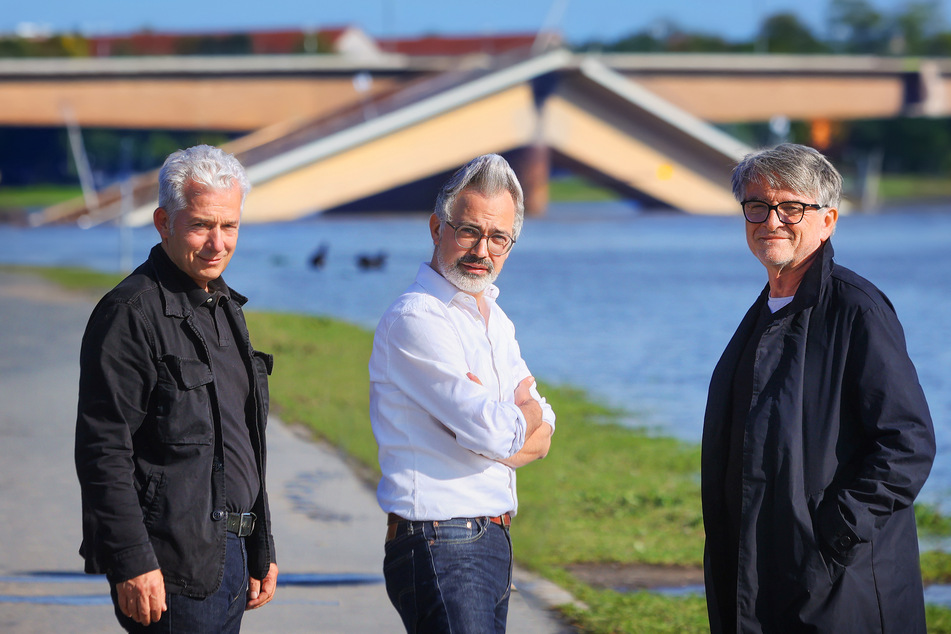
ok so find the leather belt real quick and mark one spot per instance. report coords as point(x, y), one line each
point(393, 522)
point(241, 524)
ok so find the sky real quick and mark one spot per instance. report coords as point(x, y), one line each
point(577, 20)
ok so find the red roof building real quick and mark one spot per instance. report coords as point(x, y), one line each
point(347, 40)
point(458, 45)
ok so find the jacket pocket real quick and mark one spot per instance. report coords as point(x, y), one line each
point(152, 497)
point(182, 402)
point(824, 511)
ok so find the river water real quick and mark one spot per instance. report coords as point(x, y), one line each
point(634, 308)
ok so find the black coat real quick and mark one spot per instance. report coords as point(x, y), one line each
point(148, 437)
point(838, 442)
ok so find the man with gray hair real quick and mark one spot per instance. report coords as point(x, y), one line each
point(817, 436)
point(173, 401)
point(455, 411)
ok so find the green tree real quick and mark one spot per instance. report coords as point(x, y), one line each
point(63, 45)
point(641, 42)
point(939, 45)
point(785, 33)
point(858, 26)
point(916, 26)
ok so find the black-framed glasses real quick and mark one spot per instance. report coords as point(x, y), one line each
point(468, 236)
point(789, 212)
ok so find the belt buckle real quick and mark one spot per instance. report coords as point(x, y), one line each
point(247, 524)
point(241, 524)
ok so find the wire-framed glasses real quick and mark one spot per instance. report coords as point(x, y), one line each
point(468, 236)
point(789, 212)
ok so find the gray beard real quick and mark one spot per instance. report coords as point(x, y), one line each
point(462, 279)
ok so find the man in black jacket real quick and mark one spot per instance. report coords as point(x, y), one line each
point(817, 436)
point(173, 400)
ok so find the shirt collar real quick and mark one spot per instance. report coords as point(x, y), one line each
point(177, 281)
point(442, 289)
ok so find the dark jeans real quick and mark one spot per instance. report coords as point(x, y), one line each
point(219, 613)
point(450, 576)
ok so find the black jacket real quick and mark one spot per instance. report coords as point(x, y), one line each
point(148, 437)
point(837, 444)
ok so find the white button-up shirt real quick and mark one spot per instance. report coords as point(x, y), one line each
point(440, 434)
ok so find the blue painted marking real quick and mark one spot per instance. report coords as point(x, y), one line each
point(328, 604)
point(76, 599)
point(313, 579)
point(54, 577)
point(684, 591)
point(285, 579)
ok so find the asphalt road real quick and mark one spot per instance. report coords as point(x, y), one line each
point(327, 526)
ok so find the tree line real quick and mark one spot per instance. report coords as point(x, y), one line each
point(857, 27)
point(914, 28)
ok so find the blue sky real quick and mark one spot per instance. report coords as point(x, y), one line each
point(578, 20)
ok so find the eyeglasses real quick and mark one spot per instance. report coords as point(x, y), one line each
point(468, 236)
point(789, 212)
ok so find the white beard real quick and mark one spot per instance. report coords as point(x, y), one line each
point(462, 279)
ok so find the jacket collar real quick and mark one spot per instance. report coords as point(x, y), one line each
point(807, 295)
point(179, 292)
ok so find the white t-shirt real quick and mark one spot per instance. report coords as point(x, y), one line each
point(775, 303)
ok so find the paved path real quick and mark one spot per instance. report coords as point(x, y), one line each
point(327, 526)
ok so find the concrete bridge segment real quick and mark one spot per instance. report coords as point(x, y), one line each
point(555, 107)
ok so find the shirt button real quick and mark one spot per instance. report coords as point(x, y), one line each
point(218, 515)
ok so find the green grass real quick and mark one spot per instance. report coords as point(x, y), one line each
point(598, 474)
point(914, 187)
point(320, 378)
point(930, 521)
point(938, 619)
point(70, 278)
point(936, 566)
point(561, 189)
point(36, 196)
point(578, 189)
point(638, 612)
point(640, 482)
point(606, 493)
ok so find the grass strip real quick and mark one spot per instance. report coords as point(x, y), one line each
point(73, 279)
point(37, 195)
point(913, 187)
point(607, 493)
point(578, 189)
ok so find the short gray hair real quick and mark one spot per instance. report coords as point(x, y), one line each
point(797, 168)
point(489, 174)
point(203, 164)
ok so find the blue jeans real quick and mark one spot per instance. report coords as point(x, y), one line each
point(219, 613)
point(450, 576)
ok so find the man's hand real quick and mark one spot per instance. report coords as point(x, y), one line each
point(531, 410)
point(262, 591)
point(142, 598)
point(523, 391)
point(537, 432)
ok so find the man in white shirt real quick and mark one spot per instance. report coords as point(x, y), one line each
point(455, 411)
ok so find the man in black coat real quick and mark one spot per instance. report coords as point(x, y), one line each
point(817, 436)
point(173, 400)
